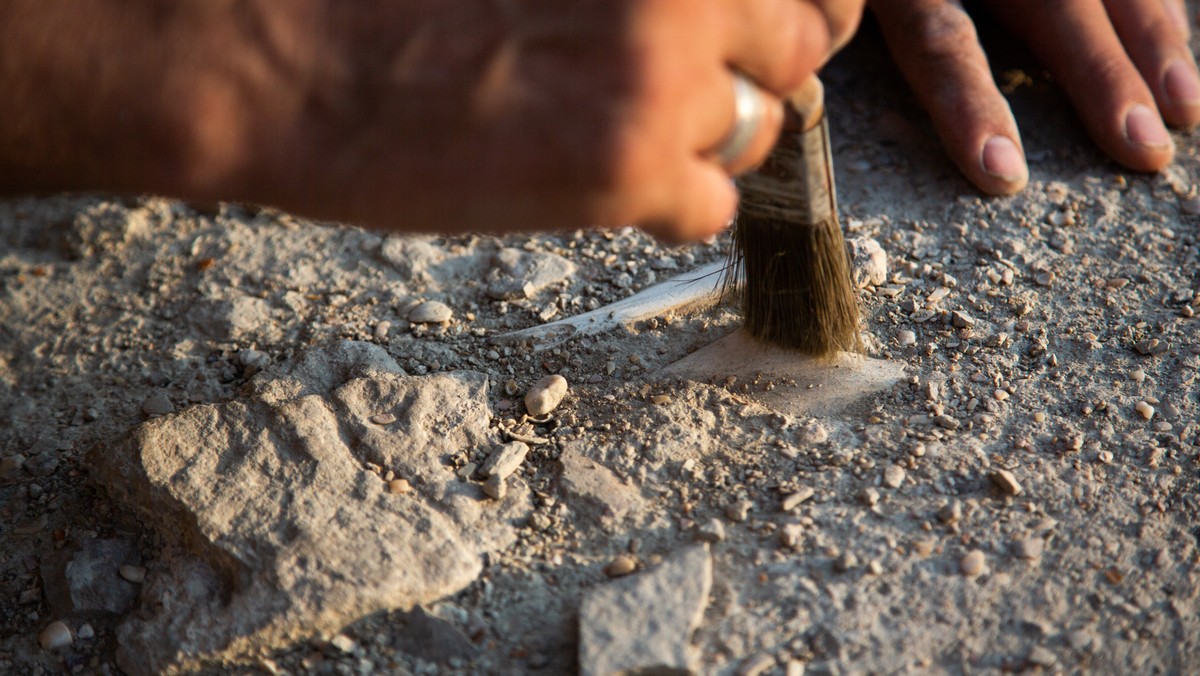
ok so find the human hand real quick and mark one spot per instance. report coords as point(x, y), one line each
point(1125, 64)
point(417, 115)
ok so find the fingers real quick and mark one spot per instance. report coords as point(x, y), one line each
point(935, 46)
point(1078, 43)
point(1177, 13)
point(706, 201)
point(778, 43)
point(1153, 41)
point(842, 18)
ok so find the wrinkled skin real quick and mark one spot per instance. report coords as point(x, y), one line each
point(412, 114)
point(1126, 65)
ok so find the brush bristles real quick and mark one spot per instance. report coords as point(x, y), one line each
point(795, 284)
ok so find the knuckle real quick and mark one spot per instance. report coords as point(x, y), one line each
point(941, 31)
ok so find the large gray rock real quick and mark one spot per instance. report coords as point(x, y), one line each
point(282, 524)
point(84, 581)
point(644, 623)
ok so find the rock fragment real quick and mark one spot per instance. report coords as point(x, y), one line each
point(85, 581)
point(643, 623)
point(593, 490)
point(1029, 548)
point(430, 312)
point(496, 487)
point(10, 467)
point(55, 636)
point(756, 665)
point(973, 563)
point(1144, 409)
point(893, 476)
point(868, 262)
point(134, 574)
point(621, 566)
point(794, 500)
point(1005, 481)
point(711, 531)
point(505, 459)
point(245, 492)
point(738, 510)
point(158, 403)
point(950, 512)
point(545, 395)
point(429, 637)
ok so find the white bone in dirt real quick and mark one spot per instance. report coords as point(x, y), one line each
point(699, 288)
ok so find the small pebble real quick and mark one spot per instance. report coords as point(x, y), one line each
point(86, 632)
point(343, 643)
point(1144, 409)
point(55, 636)
point(399, 486)
point(790, 535)
point(158, 403)
point(874, 567)
point(383, 418)
point(961, 320)
point(1029, 548)
point(950, 512)
point(906, 338)
point(712, 531)
point(1187, 312)
point(135, 574)
point(1137, 375)
point(738, 510)
point(1006, 482)
point(1039, 417)
point(430, 312)
point(893, 476)
point(794, 500)
point(846, 562)
point(1190, 206)
point(1041, 657)
point(505, 459)
point(869, 496)
point(1000, 395)
point(545, 395)
point(621, 566)
point(496, 487)
point(755, 665)
point(1105, 457)
point(660, 399)
point(973, 563)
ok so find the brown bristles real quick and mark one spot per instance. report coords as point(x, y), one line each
point(795, 286)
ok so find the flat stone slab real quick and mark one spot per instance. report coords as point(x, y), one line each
point(278, 511)
point(786, 381)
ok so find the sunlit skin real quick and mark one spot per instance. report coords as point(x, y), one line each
point(422, 115)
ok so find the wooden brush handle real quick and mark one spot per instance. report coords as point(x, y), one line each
point(795, 183)
point(805, 108)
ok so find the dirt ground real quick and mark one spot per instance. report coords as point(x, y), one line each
point(1047, 338)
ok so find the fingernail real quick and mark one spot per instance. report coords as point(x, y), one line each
point(1178, 17)
point(1002, 159)
point(1181, 83)
point(1143, 127)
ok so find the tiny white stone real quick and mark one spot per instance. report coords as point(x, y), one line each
point(430, 312)
point(135, 574)
point(1006, 481)
point(383, 418)
point(973, 563)
point(1144, 409)
point(545, 395)
point(905, 338)
point(85, 632)
point(55, 636)
point(1000, 394)
point(893, 476)
point(343, 643)
point(496, 487)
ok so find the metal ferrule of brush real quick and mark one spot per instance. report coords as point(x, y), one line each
point(795, 183)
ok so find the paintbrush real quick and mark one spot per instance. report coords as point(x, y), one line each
point(789, 257)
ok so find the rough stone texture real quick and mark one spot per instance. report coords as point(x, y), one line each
point(230, 319)
point(280, 530)
point(505, 459)
point(85, 581)
point(644, 623)
point(432, 638)
point(592, 490)
point(868, 262)
point(522, 274)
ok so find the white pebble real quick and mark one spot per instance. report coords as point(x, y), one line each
point(893, 476)
point(135, 574)
point(383, 418)
point(430, 312)
point(906, 338)
point(973, 563)
point(55, 636)
point(1000, 395)
point(85, 632)
point(545, 395)
point(496, 487)
point(343, 643)
point(1144, 409)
